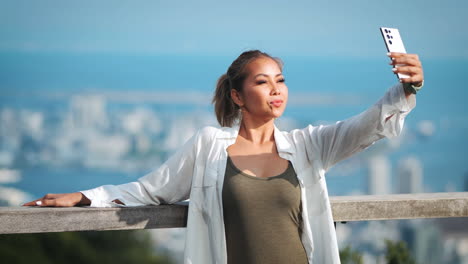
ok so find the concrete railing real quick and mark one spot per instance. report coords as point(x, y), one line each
point(345, 208)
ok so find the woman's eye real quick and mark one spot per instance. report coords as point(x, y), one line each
point(263, 81)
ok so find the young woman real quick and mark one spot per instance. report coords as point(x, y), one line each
point(258, 194)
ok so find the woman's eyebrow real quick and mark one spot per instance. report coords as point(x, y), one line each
point(266, 75)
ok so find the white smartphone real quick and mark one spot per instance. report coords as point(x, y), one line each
point(394, 43)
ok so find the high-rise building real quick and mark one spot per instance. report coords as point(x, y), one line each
point(410, 175)
point(378, 177)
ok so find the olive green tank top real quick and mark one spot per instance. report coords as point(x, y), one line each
point(262, 218)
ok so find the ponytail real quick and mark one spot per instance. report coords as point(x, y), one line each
point(227, 112)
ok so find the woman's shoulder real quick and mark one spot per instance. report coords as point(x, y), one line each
point(209, 132)
point(218, 131)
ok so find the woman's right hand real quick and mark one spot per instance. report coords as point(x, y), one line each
point(60, 200)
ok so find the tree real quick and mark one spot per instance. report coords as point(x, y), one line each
point(80, 247)
point(349, 256)
point(398, 253)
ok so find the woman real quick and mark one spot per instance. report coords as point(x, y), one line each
point(258, 195)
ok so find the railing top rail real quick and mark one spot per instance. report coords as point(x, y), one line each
point(345, 208)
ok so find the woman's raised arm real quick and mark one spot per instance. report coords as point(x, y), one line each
point(384, 119)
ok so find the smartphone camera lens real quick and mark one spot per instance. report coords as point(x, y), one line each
point(389, 37)
point(386, 31)
point(390, 42)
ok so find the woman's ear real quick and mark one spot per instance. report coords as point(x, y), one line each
point(236, 97)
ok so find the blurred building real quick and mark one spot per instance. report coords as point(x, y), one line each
point(88, 111)
point(455, 234)
point(410, 175)
point(378, 176)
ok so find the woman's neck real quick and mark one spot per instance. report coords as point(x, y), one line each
point(257, 132)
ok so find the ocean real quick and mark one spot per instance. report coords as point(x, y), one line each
point(44, 91)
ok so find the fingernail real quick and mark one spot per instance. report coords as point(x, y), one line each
point(38, 203)
point(394, 69)
point(388, 54)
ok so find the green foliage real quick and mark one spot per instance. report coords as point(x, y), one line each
point(349, 256)
point(80, 247)
point(398, 253)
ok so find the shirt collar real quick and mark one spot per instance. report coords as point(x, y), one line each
point(282, 142)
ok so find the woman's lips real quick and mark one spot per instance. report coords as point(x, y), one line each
point(276, 103)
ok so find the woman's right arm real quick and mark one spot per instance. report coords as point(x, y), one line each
point(170, 183)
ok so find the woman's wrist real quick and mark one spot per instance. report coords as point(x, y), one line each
point(418, 84)
point(83, 199)
point(412, 88)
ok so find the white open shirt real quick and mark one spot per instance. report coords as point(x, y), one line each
point(196, 171)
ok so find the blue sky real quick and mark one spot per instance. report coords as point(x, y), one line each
point(306, 28)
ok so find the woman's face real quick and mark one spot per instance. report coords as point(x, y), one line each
point(264, 94)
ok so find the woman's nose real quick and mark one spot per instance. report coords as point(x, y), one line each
point(275, 89)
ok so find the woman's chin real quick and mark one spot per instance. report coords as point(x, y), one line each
point(267, 116)
point(277, 113)
point(276, 116)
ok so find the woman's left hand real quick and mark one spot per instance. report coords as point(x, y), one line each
point(408, 64)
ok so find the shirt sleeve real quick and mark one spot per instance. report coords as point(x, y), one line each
point(168, 184)
point(345, 138)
